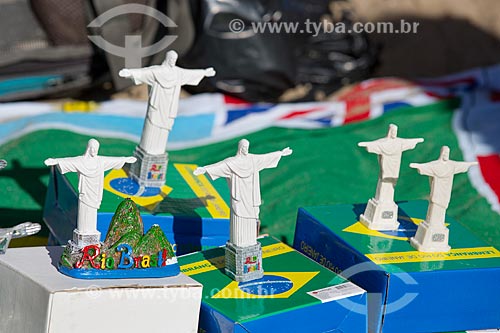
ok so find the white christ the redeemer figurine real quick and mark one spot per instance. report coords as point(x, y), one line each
point(242, 174)
point(382, 212)
point(165, 83)
point(432, 234)
point(243, 254)
point(90, 168)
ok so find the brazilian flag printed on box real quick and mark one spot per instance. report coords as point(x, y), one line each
point(295, 295)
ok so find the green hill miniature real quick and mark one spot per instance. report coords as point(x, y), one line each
point(126, 227)
point(153, 241)
point(126, 221)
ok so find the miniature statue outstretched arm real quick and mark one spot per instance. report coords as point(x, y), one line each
point(423, 168)
point(192, 77)
point(463, 166)
point(371, 147)
point(138, 75)
point(199, 171)
point(408, 144)
point(216, 170)
point(51, 161)
point(270, 160)
point(116, 162)
point(65, 164)
point(209, 72)
point(125, 73)
point(286, 152)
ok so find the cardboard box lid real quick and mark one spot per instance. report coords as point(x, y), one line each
point(392, 251)
point(39, 265)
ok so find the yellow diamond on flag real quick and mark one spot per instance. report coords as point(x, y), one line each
point(359, 228)
point(297, 279)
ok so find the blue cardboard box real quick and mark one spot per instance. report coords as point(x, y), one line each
point(408, 291)
point(295, 295)
point(192, 211)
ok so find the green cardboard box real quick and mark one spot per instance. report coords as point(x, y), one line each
point(408, 291)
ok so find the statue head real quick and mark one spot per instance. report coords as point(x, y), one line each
point(171, 58)
point(243, 147)
point(92, 148)
point(445, 153)
point(393, 131)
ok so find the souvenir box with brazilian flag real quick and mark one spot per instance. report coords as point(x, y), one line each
point(408, 291)
point(192, 211)
point(295, 295)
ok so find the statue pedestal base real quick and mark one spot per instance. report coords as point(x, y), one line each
point(380, 215)
point(149, 170)
point(244, 263)
point(431, 238)
point(81, 240)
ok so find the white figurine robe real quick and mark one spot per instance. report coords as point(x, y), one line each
point(165, 83)
point(242, 174)
point(90, 168)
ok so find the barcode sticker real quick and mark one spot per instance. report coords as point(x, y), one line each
point(337, 292)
